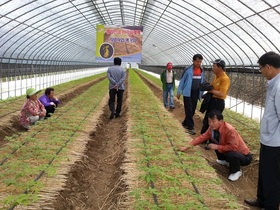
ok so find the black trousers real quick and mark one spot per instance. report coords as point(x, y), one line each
point(112, 97)
point(269, 177)
point(50, 109)
point(190, 106)
point(235, 159)
point(214, 104)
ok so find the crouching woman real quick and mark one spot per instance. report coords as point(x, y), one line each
point(32, 110)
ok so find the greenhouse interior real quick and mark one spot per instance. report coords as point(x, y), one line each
point(81, 157)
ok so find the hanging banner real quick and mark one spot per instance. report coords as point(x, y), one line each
point(119, 41)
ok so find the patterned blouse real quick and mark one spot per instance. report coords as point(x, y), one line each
point(31, 108)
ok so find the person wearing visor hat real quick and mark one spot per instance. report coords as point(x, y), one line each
point(32, 110)
point(167, 78)
point(221, 85)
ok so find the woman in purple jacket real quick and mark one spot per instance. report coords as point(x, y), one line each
point(49, 101)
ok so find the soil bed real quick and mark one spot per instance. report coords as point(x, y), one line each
point(246, 187)
point(95, 181)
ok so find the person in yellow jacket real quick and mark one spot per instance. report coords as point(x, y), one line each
point(221, 85)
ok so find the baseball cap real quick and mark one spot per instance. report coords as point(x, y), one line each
point(32, 91)
point(169, 65)
point(220, 62)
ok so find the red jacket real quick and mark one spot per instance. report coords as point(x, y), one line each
point(230, 140)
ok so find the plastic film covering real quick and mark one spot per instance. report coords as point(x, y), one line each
point(64, 31)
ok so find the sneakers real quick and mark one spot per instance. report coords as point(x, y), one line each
point(223, 162)
point(191, 131)
point(235, 176)
point(172, 107)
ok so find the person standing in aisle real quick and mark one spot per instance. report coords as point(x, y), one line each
point(221, 85)
point(116, 76)
point(268, 192)
point(167, 78)
point(189, 84)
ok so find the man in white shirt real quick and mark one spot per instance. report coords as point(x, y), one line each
point(167, 78)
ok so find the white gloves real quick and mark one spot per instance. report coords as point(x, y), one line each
point(53, 104)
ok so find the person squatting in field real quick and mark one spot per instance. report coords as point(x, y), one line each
point(229, 146)
point(32, 110)
point(49, 101)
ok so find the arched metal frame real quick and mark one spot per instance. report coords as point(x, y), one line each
point(174, 30)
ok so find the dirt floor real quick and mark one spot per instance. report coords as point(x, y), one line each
point(96, 182)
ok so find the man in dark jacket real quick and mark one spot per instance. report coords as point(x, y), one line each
point(167, 78)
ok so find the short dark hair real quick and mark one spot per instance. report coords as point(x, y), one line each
point(197, 56)
point(48, 91)
point(117, 61)
point(270, 58)
point(215, 114)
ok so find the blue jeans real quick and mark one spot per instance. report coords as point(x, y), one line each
point(169, 90)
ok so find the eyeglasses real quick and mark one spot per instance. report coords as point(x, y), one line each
point(261, 67)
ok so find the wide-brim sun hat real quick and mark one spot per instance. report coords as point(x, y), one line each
point(32, 91)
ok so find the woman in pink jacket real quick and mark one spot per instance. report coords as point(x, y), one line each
point(32, 110)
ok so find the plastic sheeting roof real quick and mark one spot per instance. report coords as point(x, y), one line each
point(174, 30)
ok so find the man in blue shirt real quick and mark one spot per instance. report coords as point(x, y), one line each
point(189, 87)
point(116, 76)
point(268, 193)
point(49, 101)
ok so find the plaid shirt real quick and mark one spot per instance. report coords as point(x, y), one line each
point(31, 108)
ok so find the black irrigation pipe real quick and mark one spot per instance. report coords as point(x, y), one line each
point(57, 153)
point(152, 184)
point(26, 141)
point(8, 113)
point(176, 153)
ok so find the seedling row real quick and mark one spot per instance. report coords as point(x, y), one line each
point(164, 183)
point(44, 142)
